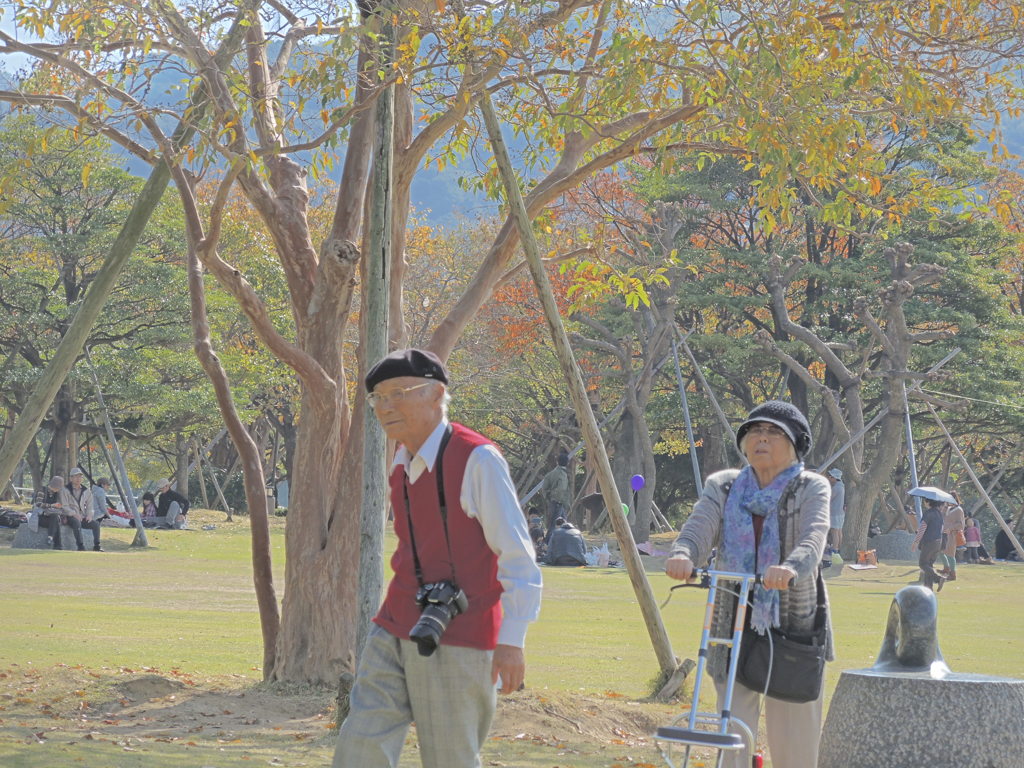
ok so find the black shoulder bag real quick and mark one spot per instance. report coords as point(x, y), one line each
point(786, 667)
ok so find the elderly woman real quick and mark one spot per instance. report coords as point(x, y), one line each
point(770, 518)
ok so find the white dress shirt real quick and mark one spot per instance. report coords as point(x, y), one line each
point(489, 496)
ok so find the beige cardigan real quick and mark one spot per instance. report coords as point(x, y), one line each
point(803, 526)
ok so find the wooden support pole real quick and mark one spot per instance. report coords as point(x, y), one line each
point(376, 333)
point(977, 483)
point(122, 483)
point(202, 476)
point(577, 391)
point(220, 492)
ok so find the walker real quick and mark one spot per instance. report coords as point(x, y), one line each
point(711, 729)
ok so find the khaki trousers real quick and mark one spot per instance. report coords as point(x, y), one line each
point(449, 695)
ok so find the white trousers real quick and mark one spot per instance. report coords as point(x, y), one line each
point(793, 730)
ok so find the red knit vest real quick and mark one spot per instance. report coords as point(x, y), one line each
point(476, 566)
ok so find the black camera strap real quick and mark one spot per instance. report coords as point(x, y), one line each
point(439, 472)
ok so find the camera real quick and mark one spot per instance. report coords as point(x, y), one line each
point(441, 602)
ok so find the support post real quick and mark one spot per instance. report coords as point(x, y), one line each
point(910, 450)
point(202, 477)
point(376, 288)
point(577, 391)
point(977, 483)
point(686, 418)
point(124, 486)
point(722, 418)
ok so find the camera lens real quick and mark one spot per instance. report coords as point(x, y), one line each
point(428, 630)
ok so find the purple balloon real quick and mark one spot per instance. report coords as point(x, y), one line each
point(636, 482)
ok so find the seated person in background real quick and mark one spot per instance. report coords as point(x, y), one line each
point(537, 535)
point(76, 507)
point(170, 505)
point(1004, 547)
point(566, 545)
point(148, 511)
point(47, 506)
point(101, 505)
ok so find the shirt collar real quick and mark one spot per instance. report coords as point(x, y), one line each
point(425, 457)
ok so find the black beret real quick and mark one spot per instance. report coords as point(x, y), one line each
point(407, 362)
point(785, 416)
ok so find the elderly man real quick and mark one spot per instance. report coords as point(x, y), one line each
point(76, 507)
point(452, 626)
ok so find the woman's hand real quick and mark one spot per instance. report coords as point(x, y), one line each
point(679, 568)
point(778, 577)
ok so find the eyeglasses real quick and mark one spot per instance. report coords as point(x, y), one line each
point(395, 396)
point(768, 430)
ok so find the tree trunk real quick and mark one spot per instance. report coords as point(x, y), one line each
point(252, 464)
point(320, 608)
point(181, 463)
point(376, 298)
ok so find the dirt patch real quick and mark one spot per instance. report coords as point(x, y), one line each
point(583, 717)
point(149, 687)
point(73, 715)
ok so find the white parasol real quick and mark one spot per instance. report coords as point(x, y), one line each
point(931, 492)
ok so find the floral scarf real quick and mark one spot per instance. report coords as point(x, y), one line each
point(745, 500)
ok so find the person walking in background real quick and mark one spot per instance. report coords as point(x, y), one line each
point(972, 535)
point(76, 508)
point(555, 487)
point(836, 513)
point(770, 518)
point(953, 536)
point(929, 543)
point(466, 583)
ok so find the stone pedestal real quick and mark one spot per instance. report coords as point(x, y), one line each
point(914, 719)
point(28, 539)
point(894, 545)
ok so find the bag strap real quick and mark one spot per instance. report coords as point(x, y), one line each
point(439, 471)
point(820, 613)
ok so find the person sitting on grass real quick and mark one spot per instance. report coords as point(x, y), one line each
point(537, 535)
point(566, 546)
point(171, 506)
point(148, 511)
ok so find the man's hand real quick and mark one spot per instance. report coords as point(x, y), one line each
point(510, 664)
point(679, 568)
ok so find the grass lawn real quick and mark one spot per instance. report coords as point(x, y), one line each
point(149, 658)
